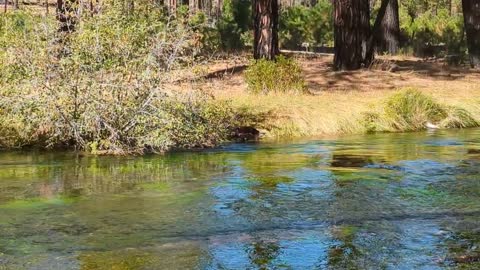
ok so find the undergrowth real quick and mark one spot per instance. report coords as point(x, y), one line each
point(283, 75)
point(412, 110)
point(105, 88)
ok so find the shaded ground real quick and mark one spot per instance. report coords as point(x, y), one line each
point(407, 72)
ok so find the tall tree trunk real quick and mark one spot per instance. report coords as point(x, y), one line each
point(172, 7)
point(471, 14)
point(265, 15)
point(389, 40)
point(193, 6)
point(218, 8)
point(351, 31)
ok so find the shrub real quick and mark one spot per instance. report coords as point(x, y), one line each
point(282, 75)
point(109, 89)
point(25, 40)
point(458, 118)
point(114, 119)
point(410, 110)
point(434, 26)
point(369, 120)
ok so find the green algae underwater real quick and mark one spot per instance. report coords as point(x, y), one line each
point(388, 201)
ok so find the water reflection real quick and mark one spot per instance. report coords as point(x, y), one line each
point(383, 201)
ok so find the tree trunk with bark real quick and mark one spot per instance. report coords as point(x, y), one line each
point(193, 6)
point(351, 31)
point(217, 6)
point(265, 14)
point(471, 13)
point(389, 39)
point(171, 7)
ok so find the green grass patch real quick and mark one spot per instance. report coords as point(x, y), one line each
point(283, 75)
point(412, 110)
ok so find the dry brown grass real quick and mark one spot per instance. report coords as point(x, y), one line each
point(339, 99)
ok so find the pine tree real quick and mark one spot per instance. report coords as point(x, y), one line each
point(351, 31)
point(471, 13)
point(265, 16)
point(389, 40)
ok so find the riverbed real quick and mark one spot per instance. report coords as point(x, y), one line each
point(380, 201)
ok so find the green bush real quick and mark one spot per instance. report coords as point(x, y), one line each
point(106, 87)
point(411, 110)
point(26, 40)
point(116, 119)
point(458, 118)
point(282, 75)
point(434, 26)
point(207, 39)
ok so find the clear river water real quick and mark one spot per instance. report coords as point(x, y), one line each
point(383, 201)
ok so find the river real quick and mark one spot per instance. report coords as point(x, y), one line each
point(382, 201)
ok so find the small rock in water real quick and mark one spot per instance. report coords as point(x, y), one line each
point(467, 258)
point(246, 134)
point(440, 232)
point(431, 126)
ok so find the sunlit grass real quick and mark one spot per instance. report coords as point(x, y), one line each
point(343, 112)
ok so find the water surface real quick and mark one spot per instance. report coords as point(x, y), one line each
point(387, 201)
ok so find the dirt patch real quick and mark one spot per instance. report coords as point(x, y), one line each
point(388, 73)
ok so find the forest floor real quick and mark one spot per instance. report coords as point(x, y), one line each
point(337, 100)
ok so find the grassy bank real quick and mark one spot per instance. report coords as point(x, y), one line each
point(374, 100)
point(353, 112)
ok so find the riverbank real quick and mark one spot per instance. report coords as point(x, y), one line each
point(126, 86)
point(342, 102)
point(202, 111)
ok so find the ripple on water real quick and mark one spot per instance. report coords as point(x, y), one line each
point(390, 201)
